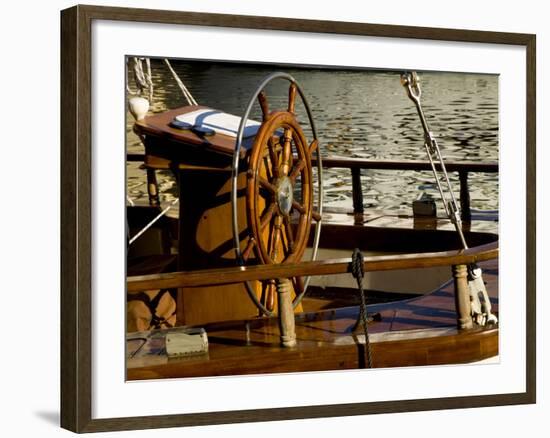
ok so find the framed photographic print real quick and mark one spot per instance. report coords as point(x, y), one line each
point(300, 206)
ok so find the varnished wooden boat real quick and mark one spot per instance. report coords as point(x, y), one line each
point(414, 332)
point(193, 252)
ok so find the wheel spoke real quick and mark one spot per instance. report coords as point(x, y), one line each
point(276, 238)
point(268, 170)
point(287, 152)
point(270, 295)
point(298, 167)
point(273, 157)
point(267, 185)
point(313, 146)
point(266, 217)
point(296, 205)
point(298, 285)
point(292, 98)
point(262, 98)
point(249, 247)
point(289, 234)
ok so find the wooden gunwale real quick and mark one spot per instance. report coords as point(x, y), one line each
point(414, 332)
point(441, 347)
point(210, 277)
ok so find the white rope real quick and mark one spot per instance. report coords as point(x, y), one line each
point(150, 224)
point(149, 79)
point(190, 99)
point(143, 80)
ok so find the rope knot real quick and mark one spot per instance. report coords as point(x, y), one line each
point(358, 271)
point(357, 268)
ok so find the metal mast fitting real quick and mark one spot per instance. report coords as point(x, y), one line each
point(411, 82)
point(480, 304)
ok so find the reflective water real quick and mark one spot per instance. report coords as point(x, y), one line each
point(359, 113)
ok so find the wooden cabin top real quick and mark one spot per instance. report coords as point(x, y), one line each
point(158, 126)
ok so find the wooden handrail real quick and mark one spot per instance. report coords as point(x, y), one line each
point(356, 164)
point(360, 163)
point(212, 277)
point(451, 166)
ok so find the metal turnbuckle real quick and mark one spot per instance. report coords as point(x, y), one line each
point(481, 305)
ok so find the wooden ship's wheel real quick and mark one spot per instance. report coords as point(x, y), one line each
point(280, 194)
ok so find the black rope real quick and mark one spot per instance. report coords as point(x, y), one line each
point(358, 272)
point(157, 321)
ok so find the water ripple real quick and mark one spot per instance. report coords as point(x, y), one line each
point(362, 114)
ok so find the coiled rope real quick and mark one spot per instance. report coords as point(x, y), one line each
point(358, 272)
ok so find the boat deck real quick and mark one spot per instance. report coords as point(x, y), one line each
point(419, 331)
point(486, 222)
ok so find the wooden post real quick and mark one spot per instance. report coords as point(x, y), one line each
point(357, 190)
point(466, 213)
point(152, 188)
point(286, 313)
point(462, 297)
point(357, 195)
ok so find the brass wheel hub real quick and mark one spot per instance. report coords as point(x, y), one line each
point(284, 195)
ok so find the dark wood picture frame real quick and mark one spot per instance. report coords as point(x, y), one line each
point(76, 198)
